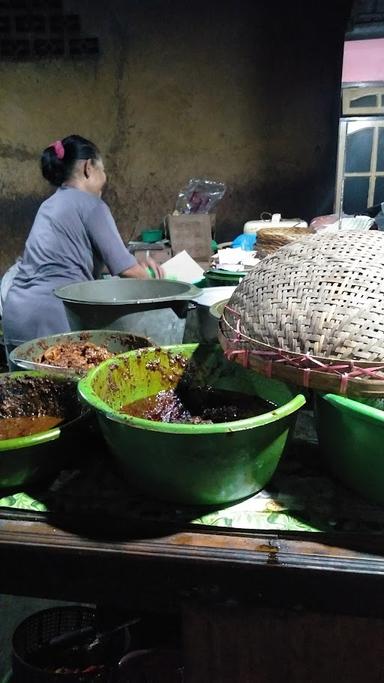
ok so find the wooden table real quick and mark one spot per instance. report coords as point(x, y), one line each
point(257, 606)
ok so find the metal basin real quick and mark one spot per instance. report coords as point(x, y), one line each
point(150, 308)
point(27, 356)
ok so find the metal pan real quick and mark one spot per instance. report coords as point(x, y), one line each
point(27, 356)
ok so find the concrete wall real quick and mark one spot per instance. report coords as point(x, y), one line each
point(246, 92)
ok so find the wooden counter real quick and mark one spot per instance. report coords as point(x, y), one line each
point(38, 558)
point(257, 606)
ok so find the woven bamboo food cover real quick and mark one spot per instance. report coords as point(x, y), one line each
point(271, 239)
point(313, 313)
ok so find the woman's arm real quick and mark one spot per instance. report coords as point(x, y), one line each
point(107, 241)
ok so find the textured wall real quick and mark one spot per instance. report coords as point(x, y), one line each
point(245, 92)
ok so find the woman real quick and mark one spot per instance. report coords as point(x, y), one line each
point(72, 236)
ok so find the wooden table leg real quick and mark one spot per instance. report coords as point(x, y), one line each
point(242, 645)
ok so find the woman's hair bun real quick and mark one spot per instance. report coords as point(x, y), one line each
point(59, 158)
point(52, 168)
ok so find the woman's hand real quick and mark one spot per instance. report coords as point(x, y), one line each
point(144, 270)
point(156, 269)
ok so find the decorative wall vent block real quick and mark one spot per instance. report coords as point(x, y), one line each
point(40, 29)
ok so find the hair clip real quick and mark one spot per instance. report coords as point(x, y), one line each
point(59, 149)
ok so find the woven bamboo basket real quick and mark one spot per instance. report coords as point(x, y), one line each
point(313, 314)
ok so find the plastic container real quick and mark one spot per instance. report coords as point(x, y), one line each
point(273, 221)
point(206, 464)
point(208, 325)
point(207, 319)
point(28, 459)
point(37, 630)
point(223, 278)
point(138, 652)
point(217, 310)
point(152, 235)
point(149, 308)
point(351, 438)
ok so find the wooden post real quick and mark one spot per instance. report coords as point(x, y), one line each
point(243, 645)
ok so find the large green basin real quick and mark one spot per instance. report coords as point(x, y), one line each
point(351, 438)
point(194, 464)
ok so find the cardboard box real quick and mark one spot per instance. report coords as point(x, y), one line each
point(192, 233)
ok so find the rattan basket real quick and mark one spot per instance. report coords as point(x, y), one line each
point(313, 314)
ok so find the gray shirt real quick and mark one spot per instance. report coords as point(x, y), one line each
point(72, 236)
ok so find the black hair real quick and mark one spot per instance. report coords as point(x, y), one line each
point(57, 170)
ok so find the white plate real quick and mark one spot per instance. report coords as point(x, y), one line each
point(211, 295)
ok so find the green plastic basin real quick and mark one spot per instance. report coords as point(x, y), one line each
point(29, 459)
point(186, 463)
point(351, 438)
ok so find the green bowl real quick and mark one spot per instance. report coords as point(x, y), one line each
point(154, 235)
point(207, 464)
point(351, 438)
point(217, 309)
point(218, 278)
point(29, 459)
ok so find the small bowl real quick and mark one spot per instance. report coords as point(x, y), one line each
point(151, 236)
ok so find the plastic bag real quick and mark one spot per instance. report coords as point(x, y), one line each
point(333, 223)
point(322, 222)
point(245, 242)
point(200, 196)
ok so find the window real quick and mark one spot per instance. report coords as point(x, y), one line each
point(363, 100)
point(360, 165)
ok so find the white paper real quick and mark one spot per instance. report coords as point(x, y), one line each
point(250, 259)
point(235, 259)
point(229, 256)
point(183, 267)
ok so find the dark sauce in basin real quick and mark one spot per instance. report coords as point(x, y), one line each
point(197, 406)
point(14, 427)
point(34, 404)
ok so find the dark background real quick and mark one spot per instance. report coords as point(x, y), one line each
point(244, 92)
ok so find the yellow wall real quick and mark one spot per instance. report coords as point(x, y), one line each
point(239, 91)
